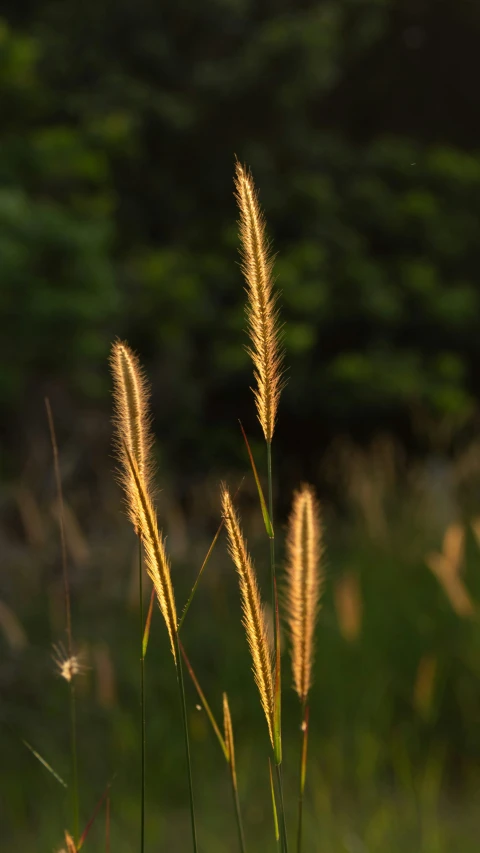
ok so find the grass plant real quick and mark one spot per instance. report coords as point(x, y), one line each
point(302, 600)
point(267, 356)
point(68, 664)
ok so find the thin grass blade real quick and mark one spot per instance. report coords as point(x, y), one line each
point(202, 569)
point(44, 763)
point(263, 505)
point(274, 805)
point(228, 730)
point(92, 818)
point(277, 733)
point(204, 565)
point(146, 633)
point(204, 702)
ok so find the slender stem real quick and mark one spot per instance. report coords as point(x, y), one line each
point(238, 814)
point(142, 699)
point(274, 587)
point(274, 809)
point(73, 738)
point(300, 819)
point(61, 524)
point(283, 825)
point(68, 618)
point(272, 538)
point(183, 703)
point(107, 824)
point(302, 772)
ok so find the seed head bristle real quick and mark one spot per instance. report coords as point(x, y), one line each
point(156, 559)
point(228, 731)
point(131, 418)
point(304, 552)
point(71, 846)
point(253, 620)
point(262, 313)
point(68, 666)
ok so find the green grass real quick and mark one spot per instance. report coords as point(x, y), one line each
point(381, 774)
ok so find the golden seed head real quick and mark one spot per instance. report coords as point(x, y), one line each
point(262, 313)
point(156, 560)
point(131, 417)
point(304, 551)
point(133, 442)
point(253, 620)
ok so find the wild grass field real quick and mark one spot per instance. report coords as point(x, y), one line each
point(393, 647)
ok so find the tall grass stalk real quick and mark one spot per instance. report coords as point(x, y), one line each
point(283, 825)
point(68, 621)
point(302, 774)
point(181, 688)
point(278, 669)
point(133, 444)
point(230, 744)
point(267, 357)
point(142, 700)
point(274, 808)
point(158, 568)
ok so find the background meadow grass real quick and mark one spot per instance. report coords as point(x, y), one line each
point(394, 741)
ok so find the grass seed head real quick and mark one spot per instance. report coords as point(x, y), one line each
point(303, 584)
point(262, 313)
point(253, 619)
point(131, 420)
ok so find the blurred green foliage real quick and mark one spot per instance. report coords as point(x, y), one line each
point(119, 126)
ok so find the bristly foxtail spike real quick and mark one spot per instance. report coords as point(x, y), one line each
point(253, 619)
point(304, 551)
point(133, 444)
point(131, 419)
point(262, 313)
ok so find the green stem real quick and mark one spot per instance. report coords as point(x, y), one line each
point(68, 618)
point(238, 814)
point(183, 703)
point(272, 538)
point(302, 773)
point(300, 818)
point(73, 734)
point(142, 700)
point(283, 825)
point(276, 640)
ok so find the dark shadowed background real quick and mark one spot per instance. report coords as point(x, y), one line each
point(119, 125)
